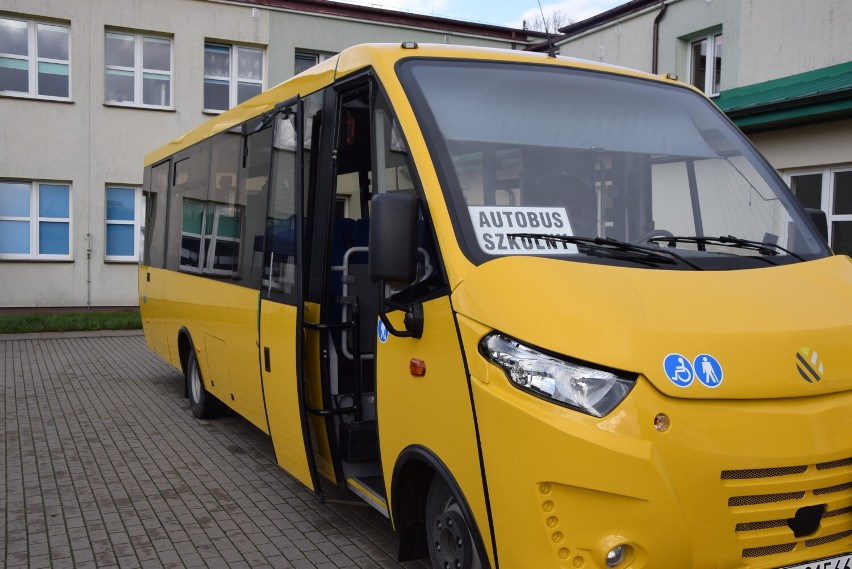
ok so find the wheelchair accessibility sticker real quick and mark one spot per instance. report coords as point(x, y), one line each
point(382, 331)
point(678, 369)
point(681, 371)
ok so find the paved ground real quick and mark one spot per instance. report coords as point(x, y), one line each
point(103, 465)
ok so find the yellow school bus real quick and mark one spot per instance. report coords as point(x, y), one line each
point(539, 312)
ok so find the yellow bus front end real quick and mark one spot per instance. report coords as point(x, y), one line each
point(657, 340)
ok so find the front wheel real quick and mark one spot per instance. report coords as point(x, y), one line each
point(203, 404)
point(450, 538)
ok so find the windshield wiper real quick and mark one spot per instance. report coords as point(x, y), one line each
point(638, 253)
point(766, 248)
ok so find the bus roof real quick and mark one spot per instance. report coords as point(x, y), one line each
point(350, 60)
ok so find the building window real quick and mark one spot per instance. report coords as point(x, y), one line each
point(831, 191)
point(138, 70)
point(232, 74)
point(125, 229)
point(35, 220)
point(705, 63)
point(34, 59)
point(306, 60)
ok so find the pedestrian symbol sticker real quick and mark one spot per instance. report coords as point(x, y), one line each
point(382, 331)
point(678, 369)
point(708, 370)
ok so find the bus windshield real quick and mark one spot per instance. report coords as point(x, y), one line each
point(596, 167)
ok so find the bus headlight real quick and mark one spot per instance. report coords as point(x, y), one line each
point(587, 389)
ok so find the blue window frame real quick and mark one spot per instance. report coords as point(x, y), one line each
point(124, 224)
point(35, 220)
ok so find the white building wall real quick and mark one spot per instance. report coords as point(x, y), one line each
point(812, 146)
point(90, 144)
point(325, 34)
point(786, 38)
point(627, 42)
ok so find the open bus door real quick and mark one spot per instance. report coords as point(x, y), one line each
point(281, 306)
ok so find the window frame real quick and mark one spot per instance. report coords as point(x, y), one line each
point(827, 193)
point(318, 58)
point(35, 219)
point(138, 70)
point(33, 60)
point(233, 73)
point(138, 224)
point(710, 68)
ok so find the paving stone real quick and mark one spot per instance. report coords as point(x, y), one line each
point(105, 467)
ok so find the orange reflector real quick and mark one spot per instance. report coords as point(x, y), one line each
point(417, 367)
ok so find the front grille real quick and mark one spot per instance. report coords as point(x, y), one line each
point(770, 522)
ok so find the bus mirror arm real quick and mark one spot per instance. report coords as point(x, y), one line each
point(413, 319)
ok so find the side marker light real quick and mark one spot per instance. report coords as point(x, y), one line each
point(662, 422)
point(417, 367)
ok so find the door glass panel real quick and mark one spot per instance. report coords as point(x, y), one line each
point(808, 189)
point(841, 237)
point(254, 177)
point(843, 193)
point(280, 255)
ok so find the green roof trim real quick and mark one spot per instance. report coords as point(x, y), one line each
point(796, 98)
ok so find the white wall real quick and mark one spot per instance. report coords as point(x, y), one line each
point(627, 43)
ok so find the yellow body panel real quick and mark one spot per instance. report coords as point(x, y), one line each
point(433, 411)
point(222, 321)
point(565, 487)
point(278, 335)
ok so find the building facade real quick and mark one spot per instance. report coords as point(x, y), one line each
point(781, 71)
point(88, 87)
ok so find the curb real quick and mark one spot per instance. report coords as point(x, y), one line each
point(56, 335)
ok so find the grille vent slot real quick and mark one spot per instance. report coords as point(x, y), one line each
point(770, 550)
point(828, 538)
point(764, 498)
point(754, 526)
point(835, 464)
point(833, 489)
point(762, 472)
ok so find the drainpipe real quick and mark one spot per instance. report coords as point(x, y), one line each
point(656, 46)
point(88, 272)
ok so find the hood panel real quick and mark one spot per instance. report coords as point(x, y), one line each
point(765, 333)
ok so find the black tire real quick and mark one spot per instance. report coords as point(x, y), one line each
point(451, 541)
point(203, 404)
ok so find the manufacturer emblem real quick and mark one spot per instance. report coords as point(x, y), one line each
point(809, 365)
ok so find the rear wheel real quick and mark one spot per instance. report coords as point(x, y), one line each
point(450, 538)
point(203, 404)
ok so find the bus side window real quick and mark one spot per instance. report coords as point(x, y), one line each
point(187, 195)
point(156, 187)
point(225, 209)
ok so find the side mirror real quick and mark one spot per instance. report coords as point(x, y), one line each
point(393, 238)
point(393, 254)
point(817, 217)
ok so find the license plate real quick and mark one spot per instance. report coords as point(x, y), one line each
point(840, 562)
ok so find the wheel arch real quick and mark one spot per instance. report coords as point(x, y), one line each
point(412, 476)
point(185, 347)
